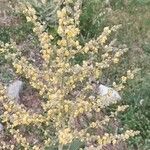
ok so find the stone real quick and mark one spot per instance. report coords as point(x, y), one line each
point(14, 90)
point(104, 91)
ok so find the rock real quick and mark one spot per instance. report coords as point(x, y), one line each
point(14, 90)
point(104, 91)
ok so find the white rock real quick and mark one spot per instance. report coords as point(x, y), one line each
point(104, 91)
point(14, 89)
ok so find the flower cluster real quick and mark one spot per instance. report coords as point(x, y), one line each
point(70, 105)
point(121, 85)
point(65, 136)
point(109, 138)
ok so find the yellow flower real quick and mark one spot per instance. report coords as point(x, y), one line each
point(93, 125)
point(67, 53)
point(65, 136)
point(66, 107)
point(130, 75)
point(124, 79)
point(62, 42)
point(115, 60)
point(62, 13)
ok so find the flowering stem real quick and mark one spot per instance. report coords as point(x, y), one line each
point(60, 147)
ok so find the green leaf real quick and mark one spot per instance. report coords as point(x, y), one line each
point(76, 145)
